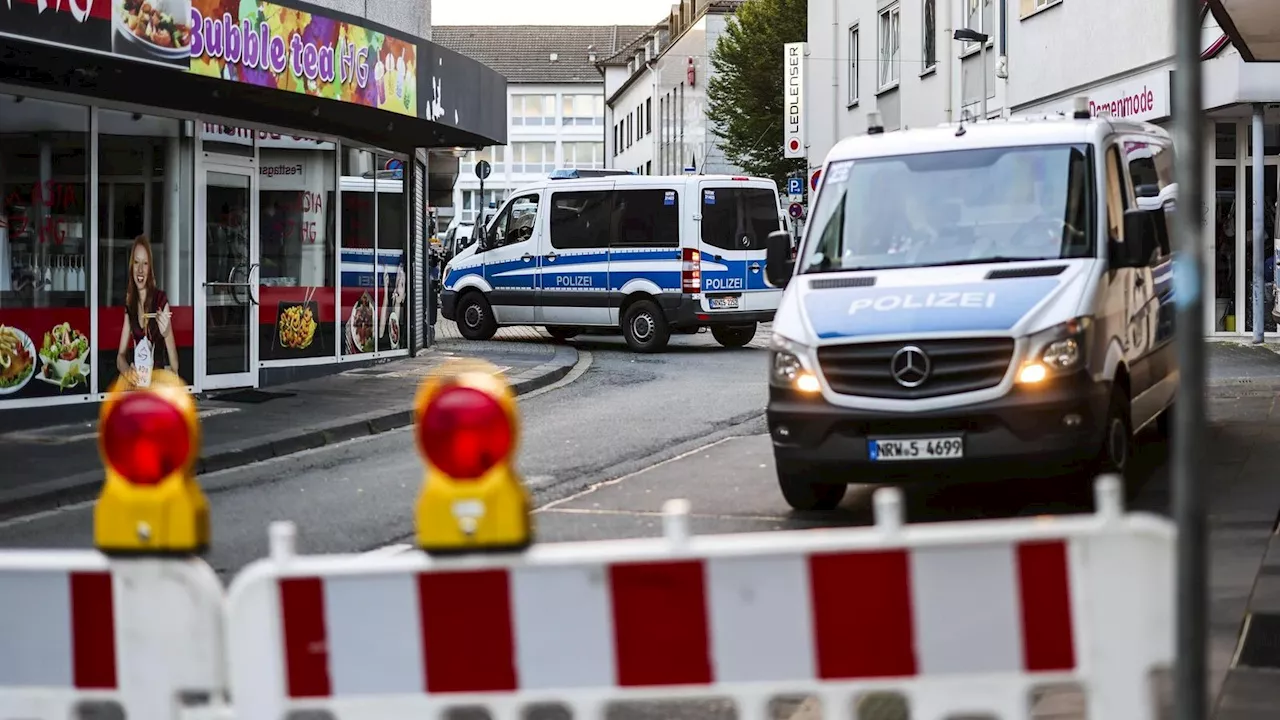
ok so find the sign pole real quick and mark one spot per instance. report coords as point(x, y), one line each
point(1190, 701)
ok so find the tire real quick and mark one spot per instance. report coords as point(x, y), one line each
point(1117, 439)
point(475, 317)
point(561, 333)
point(803, 493)
point(644, 327)
point(733, 336)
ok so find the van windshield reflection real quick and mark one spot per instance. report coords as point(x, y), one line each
point(956, 207)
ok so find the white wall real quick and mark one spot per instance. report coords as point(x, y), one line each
point(556, 133)
point(630, 106)
point(920, 96)
point(1077, 43)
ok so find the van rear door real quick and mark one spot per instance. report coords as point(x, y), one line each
point(737, 217)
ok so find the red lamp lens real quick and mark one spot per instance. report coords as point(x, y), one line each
point(146, 438)
point(464, 432)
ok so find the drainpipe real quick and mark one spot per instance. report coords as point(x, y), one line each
point(1002, 58)
point(835, 81)
point(653, 72)
point(949, 52)
point(1259, 222)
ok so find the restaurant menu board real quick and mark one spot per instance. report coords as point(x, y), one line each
point(295, 322)
point(44, 353)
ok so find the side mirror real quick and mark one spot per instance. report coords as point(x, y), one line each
point(779, 262)
point(1139, 239)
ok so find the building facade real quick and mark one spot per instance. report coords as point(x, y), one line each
point(900, 58)
point(656, 99)
point(243, 202)
point(555, 96)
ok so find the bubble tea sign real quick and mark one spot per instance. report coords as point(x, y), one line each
point(261, 43)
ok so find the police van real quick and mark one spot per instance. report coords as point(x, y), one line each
point(998, 292)
point(648, 255)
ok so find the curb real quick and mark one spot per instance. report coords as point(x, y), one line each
point(79, 488)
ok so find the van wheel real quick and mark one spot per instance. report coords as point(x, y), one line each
point(733, 336)
point(644, 327)
point(475, 317)
point(1117, 437)
point(802, 493)
point(561, 333)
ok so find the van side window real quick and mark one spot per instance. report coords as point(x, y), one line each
point(517, 221)
point(1117, 200)
point(581, 220)
point(647, 218)
point(1162, 158)
point(738, 218)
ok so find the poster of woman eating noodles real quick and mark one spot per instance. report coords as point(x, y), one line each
point(146, 339)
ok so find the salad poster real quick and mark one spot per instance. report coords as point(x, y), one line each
point(45, 353)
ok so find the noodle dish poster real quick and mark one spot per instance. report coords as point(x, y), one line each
point(261, 43)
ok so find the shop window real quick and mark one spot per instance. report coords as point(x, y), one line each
point(1224, 235)
point(1268, 199)
point(374, 262)
point(1225, 140)
point(44, 249)
point(145, 243)
point(1270, 140)
point(297, 290)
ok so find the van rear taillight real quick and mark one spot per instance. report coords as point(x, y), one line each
point(691, 271)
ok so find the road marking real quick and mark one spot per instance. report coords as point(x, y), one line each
point(387, 550)
point(658, 513)
point(592, 488)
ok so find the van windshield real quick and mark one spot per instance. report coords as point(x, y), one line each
point(954, 207)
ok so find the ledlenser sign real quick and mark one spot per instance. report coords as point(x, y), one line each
point(793, 142)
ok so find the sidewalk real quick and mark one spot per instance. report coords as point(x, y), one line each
point(1242, 476)
point(49, 466)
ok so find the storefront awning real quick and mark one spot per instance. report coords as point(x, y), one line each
point(1252, 25)
point(282, 66)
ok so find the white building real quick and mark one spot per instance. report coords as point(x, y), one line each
point(556, 114)
point(898, 57)
point(656, 94)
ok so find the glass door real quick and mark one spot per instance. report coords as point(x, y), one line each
point(228, 245)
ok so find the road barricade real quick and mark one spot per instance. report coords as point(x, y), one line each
point(958, 617)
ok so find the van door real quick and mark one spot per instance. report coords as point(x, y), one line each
point(736, 219)
point(510, 260)
point(574, 257)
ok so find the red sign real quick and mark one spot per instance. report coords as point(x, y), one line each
point(813, 179)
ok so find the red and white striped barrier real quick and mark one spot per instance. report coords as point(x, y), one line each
point(77, 628)
point(957, 617)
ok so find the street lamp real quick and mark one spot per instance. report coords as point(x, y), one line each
point(968, 35)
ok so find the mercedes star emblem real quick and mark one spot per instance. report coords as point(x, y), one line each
point(910, 366)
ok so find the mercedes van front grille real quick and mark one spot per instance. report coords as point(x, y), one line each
point(910, 370)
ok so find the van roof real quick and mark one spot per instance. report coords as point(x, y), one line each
point(1019, 131)
point(624, 181)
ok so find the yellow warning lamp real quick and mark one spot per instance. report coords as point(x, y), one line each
point(149, 440)
point(467, 429)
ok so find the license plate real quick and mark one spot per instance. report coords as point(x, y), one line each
point(938, 448)
point(724, 303)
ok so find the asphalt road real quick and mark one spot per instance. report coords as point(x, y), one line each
point(686, 423)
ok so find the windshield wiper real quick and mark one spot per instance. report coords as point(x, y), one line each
point(825, 268)
point(983, 261)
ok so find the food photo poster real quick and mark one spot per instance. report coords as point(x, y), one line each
point(373, 301)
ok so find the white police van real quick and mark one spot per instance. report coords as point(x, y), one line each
point(646, 254)
point(997, 292)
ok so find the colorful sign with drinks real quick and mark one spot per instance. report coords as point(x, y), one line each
point(261, 43)
point(247, 41)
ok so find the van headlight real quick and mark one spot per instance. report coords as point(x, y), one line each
point(1058, 350)
point(787, 368)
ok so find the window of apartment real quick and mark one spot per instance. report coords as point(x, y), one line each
point(639, 121)
point(648, 114)
point(890, 45)
point(616, 126)
point(648, 167)
point(493, 154)
point(582, 110)
point(584, 155)
point(533, 157)
point(471, 201)
point(978, 16)
point(1030, 6)
point(854, 46)
point(929, 48)
point(529, 110)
